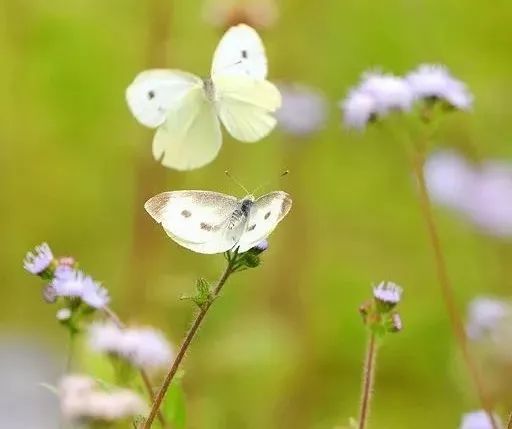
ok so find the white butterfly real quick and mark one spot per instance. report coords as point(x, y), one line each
point(187, 110)
point(210, 222)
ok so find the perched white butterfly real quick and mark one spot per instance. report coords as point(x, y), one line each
point(210, 222)
point(187, 110)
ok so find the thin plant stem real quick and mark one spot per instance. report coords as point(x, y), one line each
point(230, 268)
point(446, 288)
point(368, 378)
point(509, 421)
point(71, 350)
point(143, 374)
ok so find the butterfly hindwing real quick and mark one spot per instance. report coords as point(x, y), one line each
point(266, 212)
point(197, 220)
point(245, 106)
point(240, 52)
point(190, 136)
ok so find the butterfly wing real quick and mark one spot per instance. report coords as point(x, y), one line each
point(153, 92)
point(190, 136)
point(240, 52)
point(245, 106)
point(197, 220)
point(264, 216)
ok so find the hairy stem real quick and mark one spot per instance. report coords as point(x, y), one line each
point(143, 374)
point(368, 377)
point(446, 288)
point(230, 268)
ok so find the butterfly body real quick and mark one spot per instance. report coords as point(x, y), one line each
point(187, 111)
point(210, 222)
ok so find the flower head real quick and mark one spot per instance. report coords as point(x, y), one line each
point(39, 259)
point(376, 96)
point(390, 92)
point(75, 284)
point(449, 179)
point(490, 204)
point(142, 347)
point(478, 420)
point(387, 293)
point(432, 81)
point(358, 109)
point(485, 314)
point(63, 314)
point(82, 400)
point(303, 110)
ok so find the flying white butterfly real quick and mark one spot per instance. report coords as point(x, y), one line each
point(210, 222)
point(187, 110)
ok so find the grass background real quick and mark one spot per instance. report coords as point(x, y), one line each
point(284, 345)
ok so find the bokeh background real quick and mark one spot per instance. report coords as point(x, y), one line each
point(283, 348)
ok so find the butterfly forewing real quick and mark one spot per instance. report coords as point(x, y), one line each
point(266, 212)
point(154, 92)
point(197, 220)
point(240, 52)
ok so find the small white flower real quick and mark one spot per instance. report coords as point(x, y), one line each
point(358, 109)
point(390, 92)
point(82, 400)
point(449, 179)
point(303, 110)
point(435, 81)
point(142, 347)
point(485, 314)
point(63, 314)
point(478, 420)
point(39, 259)
point(388, 292)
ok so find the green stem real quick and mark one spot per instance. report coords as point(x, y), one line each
point(368, 379)
point(446, 287)
point(230, 268)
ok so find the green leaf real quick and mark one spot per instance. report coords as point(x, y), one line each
point(174, 407)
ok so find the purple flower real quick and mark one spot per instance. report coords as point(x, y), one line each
point(376, 96)
point(388, 293)
point(75, 284)
point(303, 110)
point(39, 259)
point(433, 81)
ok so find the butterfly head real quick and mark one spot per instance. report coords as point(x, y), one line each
point(246, 204)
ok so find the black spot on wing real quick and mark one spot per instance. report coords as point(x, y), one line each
point(206, 226)
point(151, 95)
point(186, 213)
point(251, 228)
point(244, 54)
point(267, 215)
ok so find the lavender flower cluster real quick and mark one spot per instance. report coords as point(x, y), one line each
point(379, 94)
point(83, 399)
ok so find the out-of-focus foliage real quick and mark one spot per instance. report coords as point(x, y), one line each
point(283, 346)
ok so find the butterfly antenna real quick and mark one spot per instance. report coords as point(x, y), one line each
point(234, 179)
point(284, 173)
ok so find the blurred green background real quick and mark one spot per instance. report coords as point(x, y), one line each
point(283, 347)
